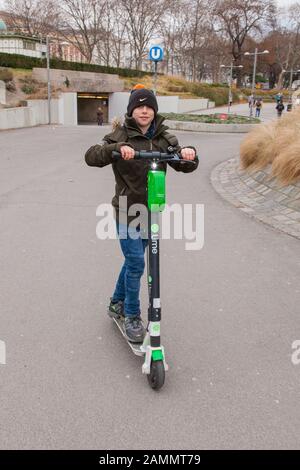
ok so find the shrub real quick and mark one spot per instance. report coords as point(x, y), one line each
point(6, 75)
point(29, 85)
point(276, 143)
point(20, 61)
point(218, 94)
point(11, 86)
point(211, 118)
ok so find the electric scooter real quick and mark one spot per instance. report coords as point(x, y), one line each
point(155, 364)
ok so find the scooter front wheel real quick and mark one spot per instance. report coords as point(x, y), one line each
point(156, 378)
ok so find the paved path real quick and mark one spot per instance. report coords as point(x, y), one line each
point(268, 111)
point(230, 312)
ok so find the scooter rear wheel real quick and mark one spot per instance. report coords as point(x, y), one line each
point(156, 378)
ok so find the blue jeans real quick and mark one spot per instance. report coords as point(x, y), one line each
point(129, 280)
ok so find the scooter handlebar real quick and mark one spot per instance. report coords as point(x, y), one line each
point(153, 155)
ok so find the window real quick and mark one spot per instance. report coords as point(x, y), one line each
point(29, 45)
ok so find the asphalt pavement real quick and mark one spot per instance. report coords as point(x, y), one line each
point(268, 110)
point(230, 312)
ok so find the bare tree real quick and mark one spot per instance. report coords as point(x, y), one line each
point(110, 46)
point(186, 31)
point(32, 17)
point(143, 19)
point(197, 32)
point(238, 18)
point(174, 30)
point(284, 46)
point(294, 13)
point(81, 24)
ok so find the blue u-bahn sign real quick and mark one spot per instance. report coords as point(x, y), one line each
point(156, 53)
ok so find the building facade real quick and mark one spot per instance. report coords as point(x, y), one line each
point(23, 45)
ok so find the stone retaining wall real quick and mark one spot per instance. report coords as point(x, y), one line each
point(259, 195)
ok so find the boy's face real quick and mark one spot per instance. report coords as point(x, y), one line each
point(143, 115)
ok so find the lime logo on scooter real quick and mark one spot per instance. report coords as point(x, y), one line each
point(154, 228)
point(154, 238)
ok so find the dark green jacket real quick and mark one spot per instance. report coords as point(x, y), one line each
point(131, 175)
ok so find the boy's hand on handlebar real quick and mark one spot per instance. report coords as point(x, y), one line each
point(126, 152)
point(188, 154)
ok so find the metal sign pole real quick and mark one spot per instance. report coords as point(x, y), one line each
point(230, 85)
point(155, 55)
point(48, 80)
point(155, 77)
point(253, 82)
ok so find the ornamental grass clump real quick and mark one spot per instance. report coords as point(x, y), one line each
point(276, 143)
point(257, 149)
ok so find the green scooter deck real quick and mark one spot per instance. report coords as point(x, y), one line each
point(135, 347)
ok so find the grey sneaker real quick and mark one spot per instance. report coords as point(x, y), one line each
point(116, 309)
point(134, 329)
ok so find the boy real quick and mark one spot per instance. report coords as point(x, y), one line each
point(143, 130)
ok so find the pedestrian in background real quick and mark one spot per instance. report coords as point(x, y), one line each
point(251, 100)
point(99, 116)
point(280, 108)
point(258, 106)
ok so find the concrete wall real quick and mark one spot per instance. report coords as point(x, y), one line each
point(186, 105)
point(117, 105)
point(40, 109)
point(63, 111)
point(68, 116)
point(2, 92)
point(89, 82)
point(166, 104)
point(14, 118)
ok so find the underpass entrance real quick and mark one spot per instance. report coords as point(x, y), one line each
point(88, 105)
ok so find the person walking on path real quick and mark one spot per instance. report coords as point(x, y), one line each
point(280, 108)
point(258, 106)
point(99, 116)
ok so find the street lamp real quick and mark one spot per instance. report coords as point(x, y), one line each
point(255, 54)
point(231, 67)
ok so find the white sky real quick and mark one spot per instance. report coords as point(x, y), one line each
point(281, 3)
